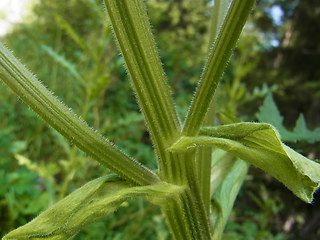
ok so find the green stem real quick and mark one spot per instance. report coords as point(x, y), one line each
point(131, 27)
point(217, 61)
point(47, 106)
point(194, 182)
point(203, 154)
point(132, 30)
point(203, 159)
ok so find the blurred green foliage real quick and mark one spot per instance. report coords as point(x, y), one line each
point(71, 47)
point(269, 113)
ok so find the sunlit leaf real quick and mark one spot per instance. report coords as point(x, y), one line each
point(259, 144)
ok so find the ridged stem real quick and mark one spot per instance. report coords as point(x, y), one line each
point(57, 115)
point(203, 154)
point(133, 33)
point(131, 27)
point(216, 63)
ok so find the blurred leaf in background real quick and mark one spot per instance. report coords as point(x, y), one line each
point(269, 113)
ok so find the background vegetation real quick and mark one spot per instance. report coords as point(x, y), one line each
point(70, 47)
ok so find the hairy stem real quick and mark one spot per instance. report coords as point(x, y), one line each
point(184, 214)
point(203, 154)
point(57, 115)
point(133, 34)
point(217, 61)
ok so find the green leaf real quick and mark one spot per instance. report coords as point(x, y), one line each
point(86, 205)
point(269, 113)
point(223, 199)
point(227, 175)
point(259, 144)
point(222, 163)
point(302, 133)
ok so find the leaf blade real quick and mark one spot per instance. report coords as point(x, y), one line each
point(260, 145)
point(225, 196)
point(88, 204)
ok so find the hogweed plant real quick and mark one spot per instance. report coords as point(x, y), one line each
point(195, 194)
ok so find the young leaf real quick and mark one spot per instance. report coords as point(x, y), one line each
point(269, 113)
point(86, 205)
point(259, 144)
